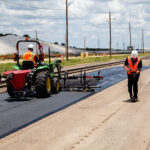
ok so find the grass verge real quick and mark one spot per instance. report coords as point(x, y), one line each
point(6, 67)
point(71, 62)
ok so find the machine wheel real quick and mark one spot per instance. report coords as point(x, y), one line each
point(43, 84)
point(56, 86)
point(10, 89)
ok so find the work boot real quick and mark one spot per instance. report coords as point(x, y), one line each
point(136, 99)
point(131, 96)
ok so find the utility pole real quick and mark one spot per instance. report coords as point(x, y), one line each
point(138, 46)
point(143, 40)
point(66, 45)
point(84, 43)
point(124, 46)
point(36, 38)
point(110, 33)
point(141, 44)
point(98, 43)
point(130, 35)
point(35, 34)
point(117, 45)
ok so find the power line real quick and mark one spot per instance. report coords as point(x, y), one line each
point(27, 6)
point(19, 4)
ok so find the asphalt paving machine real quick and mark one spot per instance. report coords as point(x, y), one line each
point(25, 78)
point(81, 82)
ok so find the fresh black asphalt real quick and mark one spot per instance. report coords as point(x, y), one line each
point(16, 114)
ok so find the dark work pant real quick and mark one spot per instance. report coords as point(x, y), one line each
point(133, 84)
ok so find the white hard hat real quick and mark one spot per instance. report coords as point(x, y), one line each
point(134, 54)
point(31, 46)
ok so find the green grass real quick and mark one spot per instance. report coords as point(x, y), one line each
point(70, 62)
point(5, 67)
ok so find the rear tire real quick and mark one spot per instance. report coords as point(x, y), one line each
point(43, 84)
point(10, 89)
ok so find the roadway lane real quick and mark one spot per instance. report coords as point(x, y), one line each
point(19, 113)
point(112, 76)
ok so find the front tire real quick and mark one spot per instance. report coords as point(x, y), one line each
point(43, 84)
point(56, 86)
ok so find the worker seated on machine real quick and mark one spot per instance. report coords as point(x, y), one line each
point(30, 59)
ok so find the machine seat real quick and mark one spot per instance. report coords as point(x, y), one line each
point(28, 65)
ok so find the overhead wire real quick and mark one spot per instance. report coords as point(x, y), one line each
point(27, 6)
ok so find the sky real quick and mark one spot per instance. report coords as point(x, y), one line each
point(87, 18)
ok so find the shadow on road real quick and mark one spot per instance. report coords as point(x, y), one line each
point(130, 101)
point(10, 100)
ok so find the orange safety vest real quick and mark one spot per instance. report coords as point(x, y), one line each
point(133, 68)
point(29, 55)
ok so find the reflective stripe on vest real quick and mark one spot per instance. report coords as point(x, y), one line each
point(133, 68)
point(29, 56)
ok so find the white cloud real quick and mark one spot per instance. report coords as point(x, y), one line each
point(116, 6)
point(79, 8)
point(147, 33)
point(86, 17)
point(99, 19)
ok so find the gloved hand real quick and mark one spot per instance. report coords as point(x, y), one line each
point(137, 72)
point(128, 69)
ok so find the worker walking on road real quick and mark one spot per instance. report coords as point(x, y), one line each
point(30, 56)
point(133, 66)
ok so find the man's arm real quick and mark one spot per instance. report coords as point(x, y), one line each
point(36, 59)
point(126, 68)
point(126, 64)
point(139, 67)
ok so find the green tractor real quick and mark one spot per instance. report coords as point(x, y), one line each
point(26, 79)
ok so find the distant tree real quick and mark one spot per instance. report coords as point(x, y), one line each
point(26, 35)
point(5, 34)
point(62, 44)
point(57, 53)
point(56, 43)
point(74, 47)
point(8, 34)
point(1, 34)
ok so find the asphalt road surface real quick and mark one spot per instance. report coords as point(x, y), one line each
point(16, 114)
